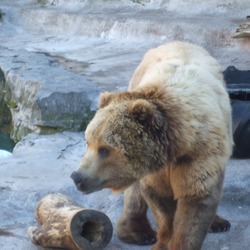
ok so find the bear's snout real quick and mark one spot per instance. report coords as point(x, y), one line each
point(76, 177)
point(86, 184)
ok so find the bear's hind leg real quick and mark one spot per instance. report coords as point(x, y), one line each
point(219, 224)
point(133, 226)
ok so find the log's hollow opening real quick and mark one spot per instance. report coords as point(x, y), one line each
point(92, 231)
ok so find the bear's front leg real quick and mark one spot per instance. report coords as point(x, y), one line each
point(159, 197)
point(133, 226)
point(163, 210)
point(191, 223)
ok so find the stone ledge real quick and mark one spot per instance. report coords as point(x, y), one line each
point(44, 97)
point(57, 59)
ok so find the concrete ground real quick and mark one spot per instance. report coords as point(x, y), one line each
point(62, 40)
point(42, 165)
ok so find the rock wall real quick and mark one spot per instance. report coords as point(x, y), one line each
point(41, 97)
point(58, 55)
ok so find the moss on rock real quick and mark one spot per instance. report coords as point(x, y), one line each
point(5, 114)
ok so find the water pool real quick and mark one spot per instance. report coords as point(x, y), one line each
point(5, 142)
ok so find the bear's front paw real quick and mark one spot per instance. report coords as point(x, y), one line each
point(136, 232)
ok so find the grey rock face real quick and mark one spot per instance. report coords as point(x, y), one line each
point(42, 96)
point(57, 56)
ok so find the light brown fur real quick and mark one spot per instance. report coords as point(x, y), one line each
point(167, 140)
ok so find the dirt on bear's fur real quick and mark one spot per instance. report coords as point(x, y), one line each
point(166, 142)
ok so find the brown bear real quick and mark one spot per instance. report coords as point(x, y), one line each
point(166, 141)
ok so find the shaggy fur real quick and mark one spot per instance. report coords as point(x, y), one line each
point(167, 140)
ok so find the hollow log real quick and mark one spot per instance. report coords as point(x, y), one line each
point(66, 225)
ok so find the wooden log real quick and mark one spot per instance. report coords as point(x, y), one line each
point(66, 225)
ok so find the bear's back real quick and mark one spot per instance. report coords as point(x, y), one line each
point(160, 64)
point(193, 79)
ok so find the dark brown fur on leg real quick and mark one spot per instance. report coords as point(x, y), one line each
point(133, 226)
point(160, 200)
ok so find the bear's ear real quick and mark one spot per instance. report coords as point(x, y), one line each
point(146, 113)
point(104, 99)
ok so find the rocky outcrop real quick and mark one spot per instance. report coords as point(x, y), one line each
point(42, 96)
point(57, 55)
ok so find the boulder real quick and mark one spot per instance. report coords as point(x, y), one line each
point(42, 96)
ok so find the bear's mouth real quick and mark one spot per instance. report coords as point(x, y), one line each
point(88, 185)
point(88, 191)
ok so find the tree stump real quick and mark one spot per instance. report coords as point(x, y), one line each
point(66, 225)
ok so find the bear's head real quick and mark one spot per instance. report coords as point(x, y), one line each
point(126, 140)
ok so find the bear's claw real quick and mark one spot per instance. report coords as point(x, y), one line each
point(219, 224)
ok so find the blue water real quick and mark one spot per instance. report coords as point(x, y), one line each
point(5, 142)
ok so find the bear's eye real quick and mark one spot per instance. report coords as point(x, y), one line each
point(103, 152)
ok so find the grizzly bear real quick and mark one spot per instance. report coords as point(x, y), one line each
point(166, 142)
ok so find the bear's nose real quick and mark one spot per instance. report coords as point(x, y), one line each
point(76, 177)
